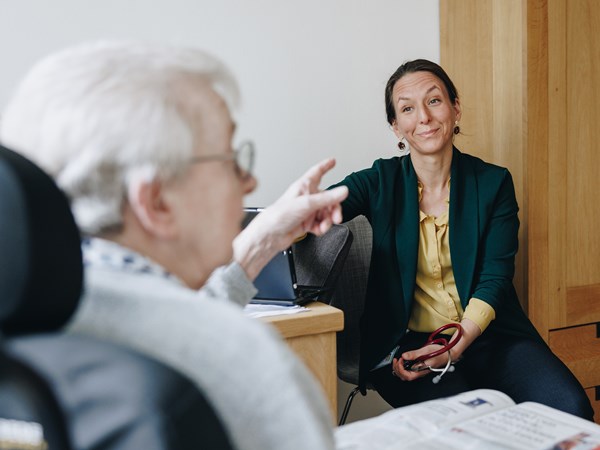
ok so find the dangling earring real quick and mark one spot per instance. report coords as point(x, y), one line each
point(401, 146)
point(456, 128)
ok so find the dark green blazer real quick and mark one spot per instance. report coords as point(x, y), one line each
point(483, 226)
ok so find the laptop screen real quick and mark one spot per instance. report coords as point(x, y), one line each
point(277, 281)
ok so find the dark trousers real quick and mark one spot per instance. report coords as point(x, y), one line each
point(524, 369)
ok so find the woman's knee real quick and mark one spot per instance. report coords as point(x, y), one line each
point(578, 404)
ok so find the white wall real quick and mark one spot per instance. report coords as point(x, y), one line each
point(312, 72)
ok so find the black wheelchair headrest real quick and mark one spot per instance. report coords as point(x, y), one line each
point(41, 271)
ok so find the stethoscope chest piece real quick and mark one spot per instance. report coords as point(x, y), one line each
point(418, 364)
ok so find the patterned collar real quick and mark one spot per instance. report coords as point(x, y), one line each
point(103, 253)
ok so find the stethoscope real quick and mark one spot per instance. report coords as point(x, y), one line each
point(418, 364)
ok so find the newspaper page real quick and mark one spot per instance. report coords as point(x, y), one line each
point(472, 420)
point(527, 426)
point(396, 429)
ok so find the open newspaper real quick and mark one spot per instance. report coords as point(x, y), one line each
point(480, 419)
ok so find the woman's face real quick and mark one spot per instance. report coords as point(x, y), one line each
point(425, 116)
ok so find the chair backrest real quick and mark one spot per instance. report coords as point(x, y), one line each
point(319, 260)
point(106, 397)
point(349, 296)
point(66, 391)
point(36, 229)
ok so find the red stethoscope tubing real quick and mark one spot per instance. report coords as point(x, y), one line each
point(446, 345)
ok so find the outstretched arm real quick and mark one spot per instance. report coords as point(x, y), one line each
point(302, 208)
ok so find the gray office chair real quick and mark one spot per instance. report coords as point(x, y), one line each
point(62, 391)
point(349, 296)
point(319, 260)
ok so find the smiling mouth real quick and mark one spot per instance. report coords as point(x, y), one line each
point(428, 133)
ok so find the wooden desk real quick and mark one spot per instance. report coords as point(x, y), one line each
point(311, 334)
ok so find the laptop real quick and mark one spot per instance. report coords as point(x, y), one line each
point(276, 283)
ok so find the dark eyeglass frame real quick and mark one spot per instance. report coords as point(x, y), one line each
point(242, 156)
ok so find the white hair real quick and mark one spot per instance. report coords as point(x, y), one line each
point(96, 115)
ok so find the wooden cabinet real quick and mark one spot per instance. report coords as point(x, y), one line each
point(528, 75)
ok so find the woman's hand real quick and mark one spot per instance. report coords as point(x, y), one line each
point(470, 332)
point(409, 375)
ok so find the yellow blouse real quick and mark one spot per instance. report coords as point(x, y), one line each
point(436, 301)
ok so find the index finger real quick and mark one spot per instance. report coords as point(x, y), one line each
point(321, 168)
point(312, 177)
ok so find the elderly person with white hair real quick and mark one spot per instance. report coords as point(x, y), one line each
point(139, 136)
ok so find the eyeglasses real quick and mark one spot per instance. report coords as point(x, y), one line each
point(243, 158)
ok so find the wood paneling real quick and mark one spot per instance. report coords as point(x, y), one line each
point(583, 305)
point(583, 136)
point(578, 347)
point(556, 214)
point(460, 51)
point(536, 157)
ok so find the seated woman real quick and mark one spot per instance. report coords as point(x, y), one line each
point(444, 241)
